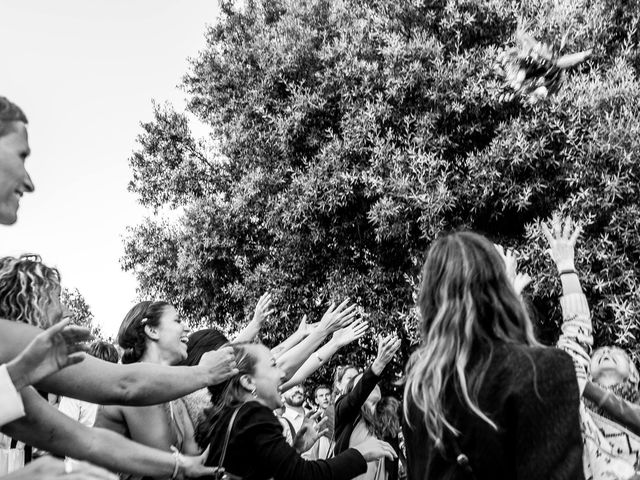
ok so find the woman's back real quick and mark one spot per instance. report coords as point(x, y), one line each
point(531, 394)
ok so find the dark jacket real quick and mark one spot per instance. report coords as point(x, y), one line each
point(257, 450)
point(620, 410)
point(347, 409)
point(532, 395)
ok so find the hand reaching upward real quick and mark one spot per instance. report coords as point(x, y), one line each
point(263, 309)
point(518, 280)
point(338, 317)
point(387, 348)
point(562, 241)
point(350, 333)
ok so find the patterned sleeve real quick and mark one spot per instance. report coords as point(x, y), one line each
point(576, 338)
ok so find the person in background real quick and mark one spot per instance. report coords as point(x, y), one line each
point(322, 397)
point(294, 411)
point(81, 411)
point(387, 418)
point(355, 419)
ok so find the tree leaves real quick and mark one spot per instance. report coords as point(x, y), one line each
point(345, 136)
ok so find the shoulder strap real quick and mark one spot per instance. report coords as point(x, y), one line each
point(228, 436)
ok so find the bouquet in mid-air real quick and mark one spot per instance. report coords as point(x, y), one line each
point(535, 70)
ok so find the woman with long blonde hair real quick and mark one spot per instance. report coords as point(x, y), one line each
point(483, 399)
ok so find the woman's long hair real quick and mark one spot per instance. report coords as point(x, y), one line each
point(388, 417)
point(229, 393)
point(131, 336)
point(27, 286)
point(466, 304)
point(370, 418)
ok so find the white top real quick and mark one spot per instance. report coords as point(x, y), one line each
point(296, 418)
point(81, 411)
point(11, 407)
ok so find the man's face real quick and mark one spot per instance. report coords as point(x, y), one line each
point(323, 396)
point(294, 397)
point(14, 179)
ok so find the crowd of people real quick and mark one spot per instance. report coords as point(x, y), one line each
point(482, 397)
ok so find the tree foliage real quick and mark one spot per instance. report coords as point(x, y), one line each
point(346, 135)
point(80, 311)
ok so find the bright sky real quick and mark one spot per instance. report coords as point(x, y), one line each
point(85, 73)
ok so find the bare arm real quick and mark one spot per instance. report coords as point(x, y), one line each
point(107, 383)
point(262, 312)
point(340, 339)
point(46, 428)
point(334, 319)
point(291, 341)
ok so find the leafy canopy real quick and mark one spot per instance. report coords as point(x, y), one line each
point(346, 135)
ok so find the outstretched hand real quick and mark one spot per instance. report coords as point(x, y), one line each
point(311, 430)
point(194, 466)
point(562, 241)
point(517, 279)
point(350, 333)
point(263, 309)
point(338, 317)
point(387, 348)
point(220, 363)
point(54, 349)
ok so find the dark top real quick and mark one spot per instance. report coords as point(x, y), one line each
point(618, 409)
point(347, 409)
point(531, 393)
point(257, 450)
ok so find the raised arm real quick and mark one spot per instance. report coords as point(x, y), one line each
point(348, 406)
point(302, 332)
point(334, 319)
point(260, 315)
point(102, 382)
point(46, 428)
point(340, 339)
point(576, 338)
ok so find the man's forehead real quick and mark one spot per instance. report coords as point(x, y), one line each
point(16, 133)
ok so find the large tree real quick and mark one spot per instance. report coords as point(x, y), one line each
point(346, 135)
point(80, 311)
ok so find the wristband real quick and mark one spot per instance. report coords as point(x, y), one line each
point(568, 271)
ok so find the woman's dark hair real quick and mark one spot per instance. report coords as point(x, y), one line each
point(201, 342)
point(131, 335)
point(229, 393)
point(388, 417)
point(104, 351)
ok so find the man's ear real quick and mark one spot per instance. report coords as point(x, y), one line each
point(151, 332)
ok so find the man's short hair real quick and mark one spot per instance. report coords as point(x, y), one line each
point(9, 113)
point(320, 387)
